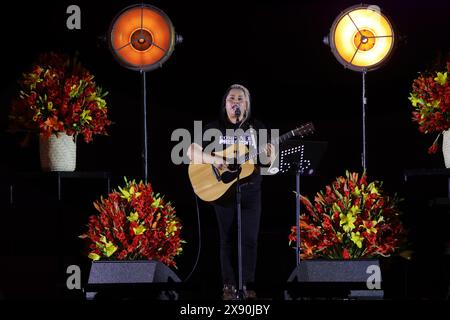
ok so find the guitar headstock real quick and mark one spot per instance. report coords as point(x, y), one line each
point(304, 130)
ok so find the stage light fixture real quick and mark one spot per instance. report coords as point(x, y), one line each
point(362, 39)
point(141, 38)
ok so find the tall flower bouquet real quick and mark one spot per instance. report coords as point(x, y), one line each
point(59, 95)
point(430, 98)
point(350, 219)
point(134, 223)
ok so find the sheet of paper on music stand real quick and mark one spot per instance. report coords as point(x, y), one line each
point(305, 155)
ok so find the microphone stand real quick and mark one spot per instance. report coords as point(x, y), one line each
point(240, 291)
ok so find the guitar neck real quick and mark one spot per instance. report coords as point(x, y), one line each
point(281, 139)
point(285, 136)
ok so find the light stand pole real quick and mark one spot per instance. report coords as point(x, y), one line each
point(364, 118)
point(141, 38)
point(361, 38)
point(240, 291)
point(144, 127)
point(297, 211)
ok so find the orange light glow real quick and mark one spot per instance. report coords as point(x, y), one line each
point(142, 37)
point(362, 38)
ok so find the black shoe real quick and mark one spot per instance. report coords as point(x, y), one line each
point(249, 294)
point(229, 292)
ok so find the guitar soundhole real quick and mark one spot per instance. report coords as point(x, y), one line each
point(229, 176)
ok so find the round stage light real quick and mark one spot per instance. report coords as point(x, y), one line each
point(142, 37)
point(361, 38)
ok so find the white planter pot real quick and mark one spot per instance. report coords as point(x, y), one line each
point(446, 148)
point(58, 153)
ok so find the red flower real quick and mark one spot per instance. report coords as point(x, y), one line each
point(327, 225)
point(58, 95)
point(350, 219)
point(134, 223)
point(345, 254)
point(430, 98)
point(433, 149)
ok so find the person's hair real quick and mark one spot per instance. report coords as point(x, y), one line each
point(223, 110)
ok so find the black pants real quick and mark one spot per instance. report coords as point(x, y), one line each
point(227, 221)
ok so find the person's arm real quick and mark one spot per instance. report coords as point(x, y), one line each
point(196, 155)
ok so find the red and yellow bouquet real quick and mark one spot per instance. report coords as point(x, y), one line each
point(134, 224)
point(351, 219)
point(430, 98)
point(59, 95)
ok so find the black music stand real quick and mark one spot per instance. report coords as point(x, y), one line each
point(301, 158)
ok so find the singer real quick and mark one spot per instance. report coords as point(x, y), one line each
point(235, 113)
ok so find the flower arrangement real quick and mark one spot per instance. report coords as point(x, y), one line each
point(351, 219)
point(59, 95)
point(134, 224)
point(430, 98)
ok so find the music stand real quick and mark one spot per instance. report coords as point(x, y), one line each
point(301, 158)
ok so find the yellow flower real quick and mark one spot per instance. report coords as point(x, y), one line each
point(347, 221)
point(73, 91)
point(441, 78)
point(373, 189)
point(171, 228)
point(157, 203)
point(370, 226)
point(336, 208)
point(85, 117)
point(356, 192)
point(110, 249)
point(134, 216)
point(128, 194)
point(354, 210)
point(139, 230)
point(414, 99)
point(357, 239)
point(94, 256)
point(103, 239)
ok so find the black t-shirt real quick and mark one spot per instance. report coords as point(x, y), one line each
point(218, 135)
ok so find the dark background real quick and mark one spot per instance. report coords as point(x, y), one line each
point(275, 49)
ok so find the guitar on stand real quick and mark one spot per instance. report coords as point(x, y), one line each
point(211, 184)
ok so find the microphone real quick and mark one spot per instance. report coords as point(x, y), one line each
point(237, 111)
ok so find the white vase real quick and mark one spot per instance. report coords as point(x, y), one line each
point(58, 153)
point(446, 148)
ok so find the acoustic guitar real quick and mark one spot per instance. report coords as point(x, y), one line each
point(210, 183)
